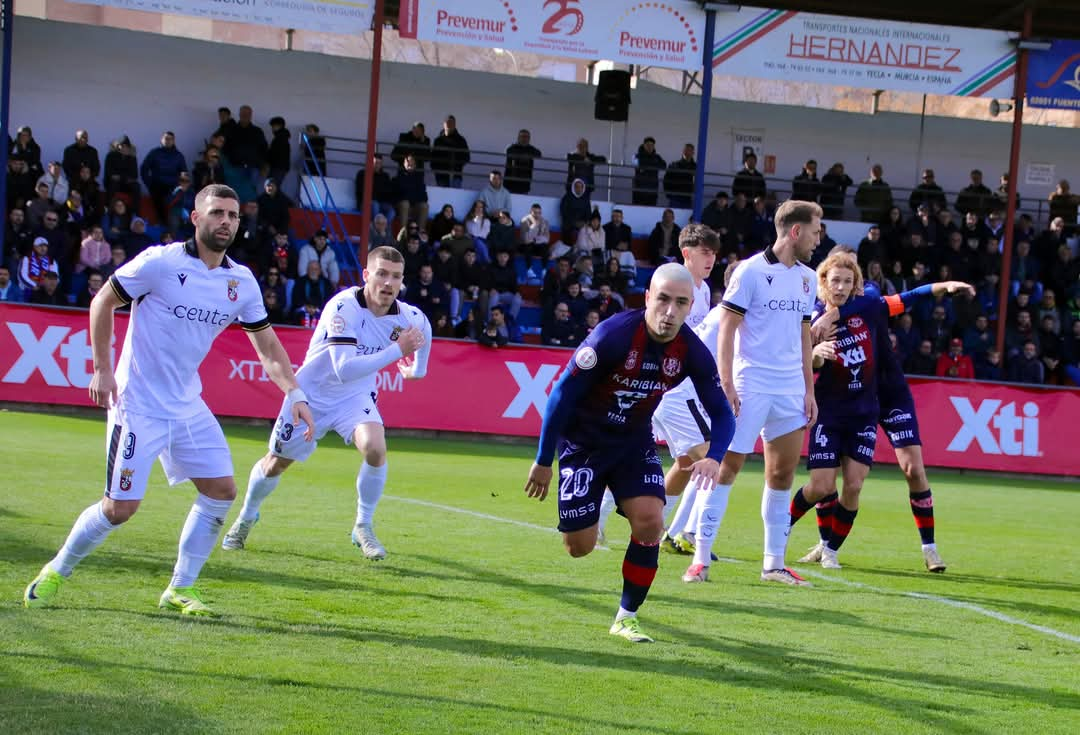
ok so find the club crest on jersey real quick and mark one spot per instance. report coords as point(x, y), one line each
point(631, 360)
point(337, 325)
point(395, 334)
point(855, 322)
point(234, 293)
point(125, 479)
point(672, 366)
point(805, 285)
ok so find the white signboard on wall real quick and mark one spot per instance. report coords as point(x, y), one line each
point(1040, 174)
point(855, 52)
point(328, 16)
point(744, 142)
point(667, 34)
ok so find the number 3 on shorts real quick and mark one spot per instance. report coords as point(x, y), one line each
point(284, 430)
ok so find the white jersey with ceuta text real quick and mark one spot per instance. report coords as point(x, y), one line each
point(346, 320)
point(701, 306)
point(178, 307)
point(774, 301)
point(708, 330)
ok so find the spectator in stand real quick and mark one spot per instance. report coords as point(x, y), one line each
point(414, 142)
point(592, 320)
point(954, 363)
point(647, 167)
point(246, 247)
point(876, 276)
point(444, 267)
point(748, 180)
point(315, 149)
point(90, 193)
point(613, 275)
point(945, 227)
point(1002, 195)
point(50, 293)
point(825, 245)
point(59, 245)
point(40, 205)
point(806, 186)
point(583, 269)
point(1048, 243)
point(988, 366)
point(617, 231)
point(1071, 353)
point(18, 238)
point(10, 293)
point(561, 331)
point(285, 259)
point(923, 361)
point(94, 282)
point(1064, 204)
point(871, 247)
point(503, 236)
point(426, 293)
point(21, 183)
point(741, 221)
point(1021, 330)
point(412, 227)
point(715, 215)
point(25, 148)
point(519, 163)
point(762, 226)
point(555, 283)
point(275, 307)
point(504, 286)
point(79, 154)
point(383, 194)
point(73, 215)
point(1048, 309)
point(122, 172)
point(927, 192)
point(535, 236)
point(907, 336)
point(581, 164)
point(161, 171)
point(605, 302)
point(118, 258)
point(208, 170)
point(442, 326)
point(574, 210)
point(226, 122)
point(472, 282)
point(874, 196)
point(959, 258)
point(273, 281)
point(1024, 229)
point(1061, 275)
point(976, 197)
point(318, 249)
point(1026, 367)
point(478, 227)
point(274, 211)
point(995, 227)
point(1022, 302)
point(94, 252)
point(57, 182)
point(679, 180)
point(978, 339)
point(494, 196)
point(1051, 349)
point(496, 332)
point(974, 233)
point(938, 328)
point(310, 294)
point(574, 297)
point(181, 202)
point(412, 191)
point(1025, 267)
point(449, 154)
point(590, 240)
point(34, 266)
point(834, 186)
point(442, 223)
point(664, 240)
point(279, 152)
point(469, 327)
point(457, 241)
point(924, 224)
point(893, 232)
point(415, 257)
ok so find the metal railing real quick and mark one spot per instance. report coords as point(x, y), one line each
point(319, 198)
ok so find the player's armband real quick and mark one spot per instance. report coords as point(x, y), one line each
point(895, 304)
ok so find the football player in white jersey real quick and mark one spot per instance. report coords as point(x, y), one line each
point(361, 331)
point(699, 246)
point(182, 297)
point(764, 355)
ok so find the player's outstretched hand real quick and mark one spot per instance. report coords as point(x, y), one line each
point(103, 388)
point(539, 479)
point(407, 367)
point(410, 341)
point(954, 287)
point(825, 350)
point(706, 473)
point(810, 404)
point(301, 411)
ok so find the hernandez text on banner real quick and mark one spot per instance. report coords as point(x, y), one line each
point(45, 358)
point(667, 34)
point(853, 52)
point(328, 16)
point(1054, 76)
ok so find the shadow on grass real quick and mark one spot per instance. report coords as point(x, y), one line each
point(967, 578)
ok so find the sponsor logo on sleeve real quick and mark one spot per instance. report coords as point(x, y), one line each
point(585, 358)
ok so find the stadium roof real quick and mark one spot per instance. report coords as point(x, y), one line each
point(1050, 18)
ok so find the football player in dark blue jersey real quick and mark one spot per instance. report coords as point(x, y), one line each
point(599, 417)
point(847, 394)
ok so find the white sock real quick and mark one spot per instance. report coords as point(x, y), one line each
point(694, 519)
point(90, 530)
point(711, 507)
point(623, 614)
point(201, 530)
point(670, 503)
point(929, 547)
point(776, 514)
point(607, 507)
point(686, 505)
point(259, 488)
point(369, 488)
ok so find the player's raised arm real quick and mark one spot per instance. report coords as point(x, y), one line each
point(278, 367)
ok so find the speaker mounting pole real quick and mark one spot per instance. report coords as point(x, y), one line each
point(703, 125)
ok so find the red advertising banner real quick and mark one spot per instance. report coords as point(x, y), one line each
point(45, 358)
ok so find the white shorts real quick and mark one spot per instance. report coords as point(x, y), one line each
point(287, 440)
point(194, 447)
point(680, 422)
point(768, 416)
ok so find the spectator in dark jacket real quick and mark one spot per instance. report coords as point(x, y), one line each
point(748, 180)
point(561, 331)
point(519, 163)
point(246, 147)
point(928, 193)
point(617, 231)
point(976, 197)
point(1026, 367)
point(806, 186)
point(314, 150)
point(25, 148)
point(274, 209)
point(449, 154)
point(161, 171)
point(504, 288)
point(874, 196)
point(426, 293)
point(496, 332)
point(679, 180)
point(310, 294)
point(664, 240)
point(383, 193)
point(279, 156)
point(834, 186)
point(988, 366)
point(79, 154)
point(581, 164)
point(648, 164)
point(574, 209)
point(411, 192)
point(412, 141)
point(923, 361)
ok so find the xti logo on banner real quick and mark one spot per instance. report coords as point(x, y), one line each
point(1016, 435)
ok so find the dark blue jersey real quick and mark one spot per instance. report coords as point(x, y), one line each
point(609, 391)
point(847, 386)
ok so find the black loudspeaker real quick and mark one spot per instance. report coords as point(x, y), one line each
point(613, 96)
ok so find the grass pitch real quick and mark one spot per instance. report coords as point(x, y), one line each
point(477, 625)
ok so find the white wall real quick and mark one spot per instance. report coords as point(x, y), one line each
point(112, 81)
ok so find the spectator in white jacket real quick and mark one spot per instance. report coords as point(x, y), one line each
point(318, 249)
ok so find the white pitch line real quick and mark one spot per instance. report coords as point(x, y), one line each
point(1001, 617)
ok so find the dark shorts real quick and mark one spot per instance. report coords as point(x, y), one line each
point(584, 472)
point(897, 418)
point(832, 440)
